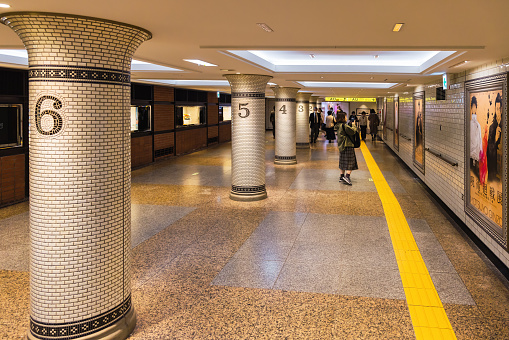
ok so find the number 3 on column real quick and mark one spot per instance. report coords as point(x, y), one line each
point(246, 113)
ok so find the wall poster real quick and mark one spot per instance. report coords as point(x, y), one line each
point(384, 120)
point(419, 130)
point(396, 123)
point(486, 168)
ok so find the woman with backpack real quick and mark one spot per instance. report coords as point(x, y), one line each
point(347, 159)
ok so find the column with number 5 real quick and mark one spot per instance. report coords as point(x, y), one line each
point(248, 136)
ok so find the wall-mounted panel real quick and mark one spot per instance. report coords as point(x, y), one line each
point(225, 133)
point(164, 94)
point(164, 145)
point(164, 117)
point(212, 114)
point(190, 140)
point(141, 151)
point(12, 179)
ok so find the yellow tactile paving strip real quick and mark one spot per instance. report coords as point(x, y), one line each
point(426, 309)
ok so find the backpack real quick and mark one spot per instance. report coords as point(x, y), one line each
point(356, 138)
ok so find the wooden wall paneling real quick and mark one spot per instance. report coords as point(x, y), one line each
point(212, 114)
point(12, 178)
point(164, 94)
point(164, 117)
point(225, 133)
point(164, 145)
point(212, 97)
point(212, 135)
point(141, 151)
point(190, 140)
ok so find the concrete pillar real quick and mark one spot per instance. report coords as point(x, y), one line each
point(285, 125)
point(248, 136)
point(302, 120)
point(80, 174)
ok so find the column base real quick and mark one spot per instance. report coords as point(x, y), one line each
point(285, 160)
point(246, 194)
point(302, 145)
point(118, 331)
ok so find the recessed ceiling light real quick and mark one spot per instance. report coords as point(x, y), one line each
point(397, 27)
point(4, 6)
point(459, 64)
point(271, 84)
point(199, 62)
point(265, 27)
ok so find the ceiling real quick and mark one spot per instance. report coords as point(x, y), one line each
point(315, 42)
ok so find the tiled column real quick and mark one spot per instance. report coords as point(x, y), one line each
point(80, 174)
point(302, 120)
point(312, 103)
point(248, 136)
point(285, 125)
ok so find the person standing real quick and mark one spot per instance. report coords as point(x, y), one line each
point(494, 134)
point(347, 159)
point(374, 121)
point(329, 127)
point(475, 137)
point(314, 124)
point(273, 121)
point(363, 123)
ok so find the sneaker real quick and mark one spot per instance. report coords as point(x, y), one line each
point(347, 180)
point(342, 179)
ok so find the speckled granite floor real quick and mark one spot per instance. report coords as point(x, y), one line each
point(312, 261)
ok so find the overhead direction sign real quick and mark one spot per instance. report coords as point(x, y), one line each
point(352, 99)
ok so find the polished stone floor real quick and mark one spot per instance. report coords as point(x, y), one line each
point(312, 261)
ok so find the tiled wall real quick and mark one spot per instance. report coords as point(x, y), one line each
point(80, 172)
point(444, 133)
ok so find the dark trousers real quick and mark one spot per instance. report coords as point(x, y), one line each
point(364, 128)
point(315, 130)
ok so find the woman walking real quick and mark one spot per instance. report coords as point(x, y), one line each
point(347, 159)
point(329, 127)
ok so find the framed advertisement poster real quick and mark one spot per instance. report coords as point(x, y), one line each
point(396, 123)
point(419, 112)
point(384, 120)
point(486, 152)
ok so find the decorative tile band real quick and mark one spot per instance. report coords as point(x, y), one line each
point(302, 102)
point(248, 190)
point(286, 158)
point(248, 95)
point(302, 144)
point(78, 329)
point(285, 100)
point(78, 74)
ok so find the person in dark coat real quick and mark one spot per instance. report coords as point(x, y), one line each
point(374, 121)
point(314, 123)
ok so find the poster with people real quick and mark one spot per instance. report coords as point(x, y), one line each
point(384, 120)
point(396, 123)
point(486, 189)
point(419, 131)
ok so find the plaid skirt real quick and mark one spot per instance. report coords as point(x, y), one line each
point(347, 159)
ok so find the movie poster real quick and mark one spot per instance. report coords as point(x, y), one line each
point(485, 148)
point(419, 131)
point(396, 123)
point(384, 120)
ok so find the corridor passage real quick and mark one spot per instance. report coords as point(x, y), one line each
point(315, 260)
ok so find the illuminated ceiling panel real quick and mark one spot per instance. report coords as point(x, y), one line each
point(343, 61)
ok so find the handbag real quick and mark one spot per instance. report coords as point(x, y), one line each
point(356, 141)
